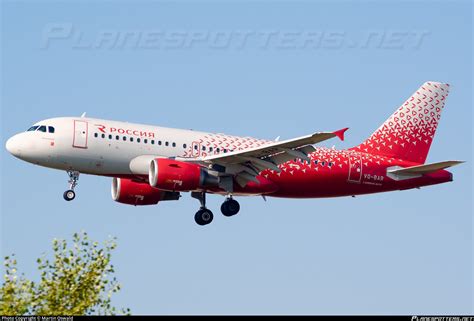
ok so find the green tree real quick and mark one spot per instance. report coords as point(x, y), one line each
point(78, 280)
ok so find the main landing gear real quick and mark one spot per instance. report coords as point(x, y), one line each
point(69, 195)
point(204, 216)
point(230, 207)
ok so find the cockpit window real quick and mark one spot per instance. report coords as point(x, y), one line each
point(44, 129)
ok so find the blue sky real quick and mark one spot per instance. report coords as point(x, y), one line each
point(303, 67)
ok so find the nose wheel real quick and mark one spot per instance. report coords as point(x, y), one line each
point(69, 195)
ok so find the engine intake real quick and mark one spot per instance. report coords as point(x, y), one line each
point(171, 175)
point(127, 191)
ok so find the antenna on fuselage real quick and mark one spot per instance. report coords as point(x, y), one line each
point(83, 115)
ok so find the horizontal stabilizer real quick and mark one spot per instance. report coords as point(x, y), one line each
point(419, 170)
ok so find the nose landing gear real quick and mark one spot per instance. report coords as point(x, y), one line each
point(69, 195)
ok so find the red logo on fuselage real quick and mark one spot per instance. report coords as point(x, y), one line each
point(101, 128)
point(131, 132)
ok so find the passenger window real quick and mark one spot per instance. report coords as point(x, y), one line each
point(145, 141)
point(225, 150)
point(174, 144)
point(204, 148)
point(131, 139)
point(315, 162)
point(218, 150)
point(152, 142)
point(103, 135)
point(32, 129)
point(110, 136)
point(330, 164)
point(323, 163)
point(196, 147)
point(124, 138)
point(210, 149)
point(159, 142)
point(96, 135)
point(138, 140)
point(184, 146)
point(51, 129)
point(167, 144)
point(42, 129)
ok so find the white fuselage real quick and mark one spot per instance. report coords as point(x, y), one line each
point(112, 148)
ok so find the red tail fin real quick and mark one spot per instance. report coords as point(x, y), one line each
point(408, 133)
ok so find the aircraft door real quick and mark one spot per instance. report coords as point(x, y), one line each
point(355, 167)
point(80, 134)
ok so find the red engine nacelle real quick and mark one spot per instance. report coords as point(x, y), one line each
point(171, 175)
point(135, 193)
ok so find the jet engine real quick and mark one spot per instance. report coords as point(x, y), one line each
point(130, 192)
point(171, 175)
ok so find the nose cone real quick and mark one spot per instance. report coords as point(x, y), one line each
point(13, 146)
point(29, 147)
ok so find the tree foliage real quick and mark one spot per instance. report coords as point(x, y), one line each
point(77, 280)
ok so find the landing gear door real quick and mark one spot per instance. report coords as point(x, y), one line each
point(355, 167)
point(80, 134)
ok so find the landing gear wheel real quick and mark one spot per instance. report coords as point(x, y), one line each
point(69, 195)
point(203, 216)
point(230, 207)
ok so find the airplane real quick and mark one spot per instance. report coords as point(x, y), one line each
point(151, 164)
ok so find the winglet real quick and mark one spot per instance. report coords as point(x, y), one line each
point(340, 133)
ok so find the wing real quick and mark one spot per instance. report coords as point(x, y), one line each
point(245, 165)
